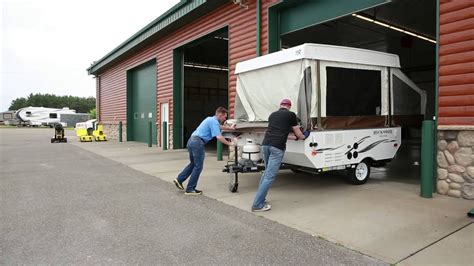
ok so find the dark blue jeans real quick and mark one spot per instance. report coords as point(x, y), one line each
point(194, 168)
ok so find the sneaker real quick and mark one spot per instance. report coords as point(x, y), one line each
point(177, 184)
point(265, 208)
point(194, 192)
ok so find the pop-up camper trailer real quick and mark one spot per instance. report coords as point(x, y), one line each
point(353, 101)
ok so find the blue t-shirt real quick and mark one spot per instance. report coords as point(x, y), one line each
point(208, 129)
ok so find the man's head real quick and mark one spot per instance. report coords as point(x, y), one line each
point(285, 103)
point(221, 114)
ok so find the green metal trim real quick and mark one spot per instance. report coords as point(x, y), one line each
point(426, 189)
point(435, 129)
point(150, 134)
point(165, 135)
point(259, 27)
point(176, 12)
point(129, 106)
point(219, 150)
point(309, 13)
point(273, 30)
point(178, 64)
point(120, 131)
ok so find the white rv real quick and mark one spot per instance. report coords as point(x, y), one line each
point(353, 102)
point(41, 116)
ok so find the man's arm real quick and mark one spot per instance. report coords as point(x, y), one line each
point(297, 132)
point(227, 127)
point(223, 140)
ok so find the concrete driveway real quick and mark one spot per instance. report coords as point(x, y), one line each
point(60, 204)
point(384, 218)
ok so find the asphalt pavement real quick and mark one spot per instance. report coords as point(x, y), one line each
point(60, 204)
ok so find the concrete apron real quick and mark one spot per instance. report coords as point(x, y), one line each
point(383, 219)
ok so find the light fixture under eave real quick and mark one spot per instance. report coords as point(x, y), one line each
point(383, 24)
point(221, 38)
point(206, 67)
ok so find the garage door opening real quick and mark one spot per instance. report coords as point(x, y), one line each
point(402, 27)
point(205, 80)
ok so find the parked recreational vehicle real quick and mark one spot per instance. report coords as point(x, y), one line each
point(41, 116)
point(7, 118)
point(353, 101)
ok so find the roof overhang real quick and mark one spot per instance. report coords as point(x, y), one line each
point(180, 14)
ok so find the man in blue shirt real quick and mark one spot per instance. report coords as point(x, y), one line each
point(208, 129)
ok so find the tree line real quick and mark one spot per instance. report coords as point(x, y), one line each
point(80, 104)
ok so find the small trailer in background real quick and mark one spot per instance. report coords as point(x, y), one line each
point(353, 102)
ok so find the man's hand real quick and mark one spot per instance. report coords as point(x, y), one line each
point(298, 133)
point(224, 141)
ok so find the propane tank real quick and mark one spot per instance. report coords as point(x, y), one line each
point(251, 151)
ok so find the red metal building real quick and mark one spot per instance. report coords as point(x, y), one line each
point(188, 57)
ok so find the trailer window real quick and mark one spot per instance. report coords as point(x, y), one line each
point(53, 115)
point(353, 92)
point(406, 101)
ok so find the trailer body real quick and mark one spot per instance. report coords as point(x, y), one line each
point(354, 102)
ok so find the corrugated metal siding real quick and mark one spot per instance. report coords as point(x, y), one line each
point(456, 63)
point(183, 10)
point(242, 46)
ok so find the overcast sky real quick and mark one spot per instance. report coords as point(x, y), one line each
point(46, 45)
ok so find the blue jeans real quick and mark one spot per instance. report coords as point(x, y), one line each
point(194, 168)
point(272, 157)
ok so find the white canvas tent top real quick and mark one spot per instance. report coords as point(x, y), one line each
point(330, 87)
point(321, 52)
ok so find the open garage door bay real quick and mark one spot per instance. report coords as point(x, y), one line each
point(402, 27)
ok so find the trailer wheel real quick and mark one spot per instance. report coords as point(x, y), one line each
point(234, 183)
point(360, 174)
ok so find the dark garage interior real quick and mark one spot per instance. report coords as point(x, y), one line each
point(205, 79)
point(380, 28)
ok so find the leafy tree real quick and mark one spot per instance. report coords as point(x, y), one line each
point(18, 103)
point(80, 104)
point(93, 113)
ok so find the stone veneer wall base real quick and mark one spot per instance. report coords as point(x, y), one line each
point(455, 160)
point(111, 130)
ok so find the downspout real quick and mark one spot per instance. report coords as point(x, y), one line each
point(435, 130)
point(97, 99)
point(259, 27)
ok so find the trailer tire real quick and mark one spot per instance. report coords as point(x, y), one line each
point(360, 174)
